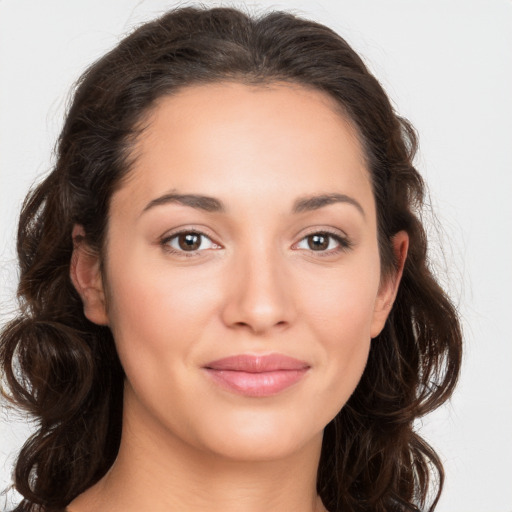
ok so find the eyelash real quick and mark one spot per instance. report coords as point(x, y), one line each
point(164, 242)
point(344, 244)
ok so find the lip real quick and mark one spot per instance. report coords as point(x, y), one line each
point(256, 375)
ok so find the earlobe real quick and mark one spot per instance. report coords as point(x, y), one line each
point(389, 288)
point(86, 277)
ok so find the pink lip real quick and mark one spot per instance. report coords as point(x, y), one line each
point(257, 376)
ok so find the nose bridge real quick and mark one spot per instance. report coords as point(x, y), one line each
point(259, 297)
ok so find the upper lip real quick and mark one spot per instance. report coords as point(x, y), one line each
point(257, 363)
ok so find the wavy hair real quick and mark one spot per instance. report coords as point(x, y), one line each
point(64, 370)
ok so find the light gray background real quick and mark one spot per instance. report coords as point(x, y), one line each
point(447, 66)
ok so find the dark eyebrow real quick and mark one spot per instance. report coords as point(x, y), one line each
point(209, 204)
point(309, 203)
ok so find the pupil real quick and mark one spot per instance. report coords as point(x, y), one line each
point(318, 242)
point(189, 241)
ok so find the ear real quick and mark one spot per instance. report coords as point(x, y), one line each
point(86, 277)
point(389, 286)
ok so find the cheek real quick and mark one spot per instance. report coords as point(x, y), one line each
point(340, 314)
point(343, 302)
point(343, 323)
point(151, 305)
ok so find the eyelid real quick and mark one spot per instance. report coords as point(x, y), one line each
point(336, 232)
point(164, 241)
point(344, 242)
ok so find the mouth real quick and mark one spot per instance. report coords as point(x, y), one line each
point(256, 375)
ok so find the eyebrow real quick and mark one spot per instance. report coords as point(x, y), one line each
point(199, 202)
point(213, 205)
point(306, 204)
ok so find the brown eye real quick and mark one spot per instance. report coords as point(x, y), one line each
point(324, 242)
point(192, 242)
point(318, 241)
point(189, 241)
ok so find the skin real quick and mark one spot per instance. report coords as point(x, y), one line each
point(254, 286)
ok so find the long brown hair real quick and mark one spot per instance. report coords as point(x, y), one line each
point(64, 370)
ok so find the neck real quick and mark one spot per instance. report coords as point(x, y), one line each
point(156, 471)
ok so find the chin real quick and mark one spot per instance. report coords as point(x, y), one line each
point(262, 439)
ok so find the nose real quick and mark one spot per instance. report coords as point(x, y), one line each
point(260, 297)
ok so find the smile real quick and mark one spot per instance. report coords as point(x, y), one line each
point(256, 376)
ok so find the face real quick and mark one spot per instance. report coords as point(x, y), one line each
point(242, 269)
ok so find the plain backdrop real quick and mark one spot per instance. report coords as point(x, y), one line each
point(447, 66)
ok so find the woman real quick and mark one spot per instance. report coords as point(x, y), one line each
point(226, 302)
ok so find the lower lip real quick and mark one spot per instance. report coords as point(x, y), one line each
point(256, 384)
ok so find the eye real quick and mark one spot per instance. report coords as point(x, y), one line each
point(188, 242)
point(324, 241)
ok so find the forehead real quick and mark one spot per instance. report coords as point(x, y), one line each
point(233, 105)
point(234, 138)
